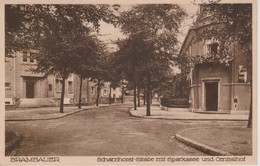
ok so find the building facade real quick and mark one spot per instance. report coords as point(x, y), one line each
point(217, 87)
point(24, 88)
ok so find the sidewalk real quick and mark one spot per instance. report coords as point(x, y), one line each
point(184, 114)
point(45, 113)
point(224, 141)
point(219, 141)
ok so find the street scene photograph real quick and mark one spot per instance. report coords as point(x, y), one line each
point(130, 80)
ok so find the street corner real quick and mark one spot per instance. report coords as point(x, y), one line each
point(140, 112)
point(222, 141)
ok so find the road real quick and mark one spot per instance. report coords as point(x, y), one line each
point(105, 131)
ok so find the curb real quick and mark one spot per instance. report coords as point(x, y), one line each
point(10, 146)
point(201, 147)
point(51, 118)
point(57, 117)
point(150, 117)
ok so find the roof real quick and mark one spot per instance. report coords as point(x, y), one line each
point(191, 33)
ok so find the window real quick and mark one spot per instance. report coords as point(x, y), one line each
point(7, 103)
point(105, 92)
point(213, 48)
point(58, 85)
point(92, 90)
point(28, 57)
point(7, 85)
point(25, 56)
point(31, 60)
point(50, 87)
point(70, 90)
point(32, 56)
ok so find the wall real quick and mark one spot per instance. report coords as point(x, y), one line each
point(241, 91)
point(207, 72)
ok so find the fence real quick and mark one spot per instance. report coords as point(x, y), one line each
point(175, 102)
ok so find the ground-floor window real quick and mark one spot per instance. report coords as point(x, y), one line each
point(7, 85)
point(58, 85)
point(92, 90)
point(50, 87)
point(105, 92)
point(70, 88)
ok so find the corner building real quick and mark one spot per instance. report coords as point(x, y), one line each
point(216, 87)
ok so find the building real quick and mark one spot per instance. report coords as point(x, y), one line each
point(23, 88)
point(217, 87)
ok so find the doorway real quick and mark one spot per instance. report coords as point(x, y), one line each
point(211, 89)
point(30, 89)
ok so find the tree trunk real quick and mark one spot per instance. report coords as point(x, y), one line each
point(62, 95)
point(138, 95)
point(80, 89)
point(249, 124)
point(151, 95)
point(144, 95)
point(88, 91)
point(123, 95)
point(148, 113)
point(98, 89)
point(110, 89)
point(135, 95)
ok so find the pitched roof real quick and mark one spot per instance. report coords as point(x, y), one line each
point(191, 33)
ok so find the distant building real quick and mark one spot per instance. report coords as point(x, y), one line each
point(214, 86)
point(23, 88)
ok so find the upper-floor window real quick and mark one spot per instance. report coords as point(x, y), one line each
point(28, 57)
point(211, 47)
point(25, 56)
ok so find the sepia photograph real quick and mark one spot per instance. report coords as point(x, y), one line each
point(126, 82)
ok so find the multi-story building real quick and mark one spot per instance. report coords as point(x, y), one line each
point(24, 88)
point(217, 87)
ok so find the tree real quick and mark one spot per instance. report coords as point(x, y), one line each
point(14, 18)
point(127, 62)
point(113, 73)
point(86, 49)
point(52, 31)
point(230, 23)
point(153, 28)
point(98, 72)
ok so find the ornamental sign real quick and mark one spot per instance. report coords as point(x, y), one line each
point(242, 74)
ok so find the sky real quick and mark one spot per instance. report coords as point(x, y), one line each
point(109, 34)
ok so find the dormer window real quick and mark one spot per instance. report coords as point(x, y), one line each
point(213, 48)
